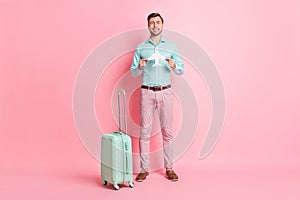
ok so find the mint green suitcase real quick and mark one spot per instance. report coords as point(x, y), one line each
point(116, 154)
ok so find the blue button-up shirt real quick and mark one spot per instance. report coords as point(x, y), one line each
point(156, 76)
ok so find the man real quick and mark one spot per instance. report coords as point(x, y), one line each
point(156, 92)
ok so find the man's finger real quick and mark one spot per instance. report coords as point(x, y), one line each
point(168, 59)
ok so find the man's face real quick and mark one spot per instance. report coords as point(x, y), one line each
point(155, 26)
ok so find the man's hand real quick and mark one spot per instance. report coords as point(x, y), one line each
point(171, 63)
point(143, 63)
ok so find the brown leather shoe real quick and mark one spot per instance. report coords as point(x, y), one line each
point(141, 176)
point(171, 175)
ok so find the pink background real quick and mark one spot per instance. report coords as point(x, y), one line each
point(255, 46)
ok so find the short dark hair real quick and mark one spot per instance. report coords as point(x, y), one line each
point(155, 15)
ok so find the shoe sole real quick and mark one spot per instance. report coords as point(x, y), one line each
point(173, 180)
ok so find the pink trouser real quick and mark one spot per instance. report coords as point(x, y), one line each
point(163, 102)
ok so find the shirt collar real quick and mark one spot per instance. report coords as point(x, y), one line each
point(162, 39)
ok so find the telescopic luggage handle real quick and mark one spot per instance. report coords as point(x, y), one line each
point(121, 91)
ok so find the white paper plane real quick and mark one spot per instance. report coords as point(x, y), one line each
point(156, 56)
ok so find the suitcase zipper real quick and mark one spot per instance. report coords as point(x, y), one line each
point(124, 159)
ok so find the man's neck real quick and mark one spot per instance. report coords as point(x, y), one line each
point(155, 38)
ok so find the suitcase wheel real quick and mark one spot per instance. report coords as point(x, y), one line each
point(131, 184)
point(104, 182)
point(116, 186)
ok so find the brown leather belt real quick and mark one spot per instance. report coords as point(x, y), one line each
point(156, 88)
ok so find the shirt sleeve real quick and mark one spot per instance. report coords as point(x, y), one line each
point(134, 69)
point(179, 64)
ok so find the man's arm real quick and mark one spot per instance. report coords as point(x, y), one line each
point(136, 69)
point(175, 62)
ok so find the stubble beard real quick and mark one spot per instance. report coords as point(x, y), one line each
point(156, 33)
